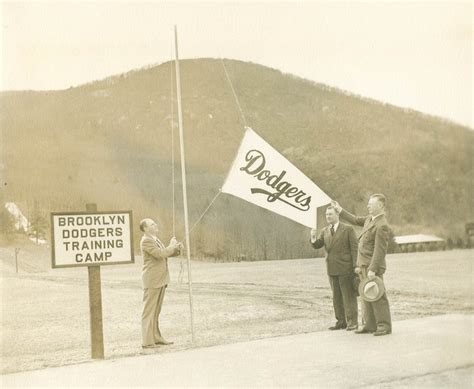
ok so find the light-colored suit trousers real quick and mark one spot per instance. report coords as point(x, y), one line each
point(153, 300)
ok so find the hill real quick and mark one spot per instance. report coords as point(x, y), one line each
point(109, 142)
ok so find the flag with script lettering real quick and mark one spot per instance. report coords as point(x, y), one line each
point(262, 176)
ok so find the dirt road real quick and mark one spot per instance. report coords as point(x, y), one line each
point(45, 314)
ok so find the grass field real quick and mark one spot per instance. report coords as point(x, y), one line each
point(45, 312)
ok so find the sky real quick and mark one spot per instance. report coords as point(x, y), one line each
point(411, 54)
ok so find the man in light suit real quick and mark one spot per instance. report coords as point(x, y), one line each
point(340, 243)
point(155, 277)
point(373, 244)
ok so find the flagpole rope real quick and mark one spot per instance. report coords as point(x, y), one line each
point(220, 190)
point(235, 94)
point(205, 211)
point(181, 270)
point(245, 124)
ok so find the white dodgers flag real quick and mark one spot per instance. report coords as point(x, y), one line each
point(262, 176)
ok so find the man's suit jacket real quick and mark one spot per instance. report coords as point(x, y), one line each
point(341, 249)
point(373, 240)
point(155, 272)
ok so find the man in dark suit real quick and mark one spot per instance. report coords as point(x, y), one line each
point(340, 243)
point(155, 277)
point(373, 244)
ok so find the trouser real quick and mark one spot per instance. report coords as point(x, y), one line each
point(152, 302)
point(377, 314)
point(344, 299)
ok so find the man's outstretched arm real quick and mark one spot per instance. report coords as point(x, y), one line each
point(356, 220)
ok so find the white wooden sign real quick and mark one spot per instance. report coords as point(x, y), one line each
point(91, 238)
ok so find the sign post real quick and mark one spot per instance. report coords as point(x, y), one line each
point(17, 250)
point(92, 239)
point(95, 305)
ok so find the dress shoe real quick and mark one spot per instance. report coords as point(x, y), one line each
point(338, 327)
point(163, 342)
point(363, 331)
point(351, 328)
point(382, 332)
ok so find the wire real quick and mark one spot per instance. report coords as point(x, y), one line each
point(235, 94)
point(207, 209)
point(180, 277)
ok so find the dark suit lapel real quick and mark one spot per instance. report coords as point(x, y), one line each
point(337, 234)
point(367, 227)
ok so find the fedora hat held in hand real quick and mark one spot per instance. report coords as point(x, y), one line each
point(371, 290)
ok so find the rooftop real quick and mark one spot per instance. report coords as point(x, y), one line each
point(419, 238)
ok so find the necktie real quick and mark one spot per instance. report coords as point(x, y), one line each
point(332, 229)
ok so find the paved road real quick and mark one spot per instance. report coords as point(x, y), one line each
point(433, 351)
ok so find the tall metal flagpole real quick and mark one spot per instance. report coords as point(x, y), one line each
point(183, 176)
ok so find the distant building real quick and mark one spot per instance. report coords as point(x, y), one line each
point(419, 242)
